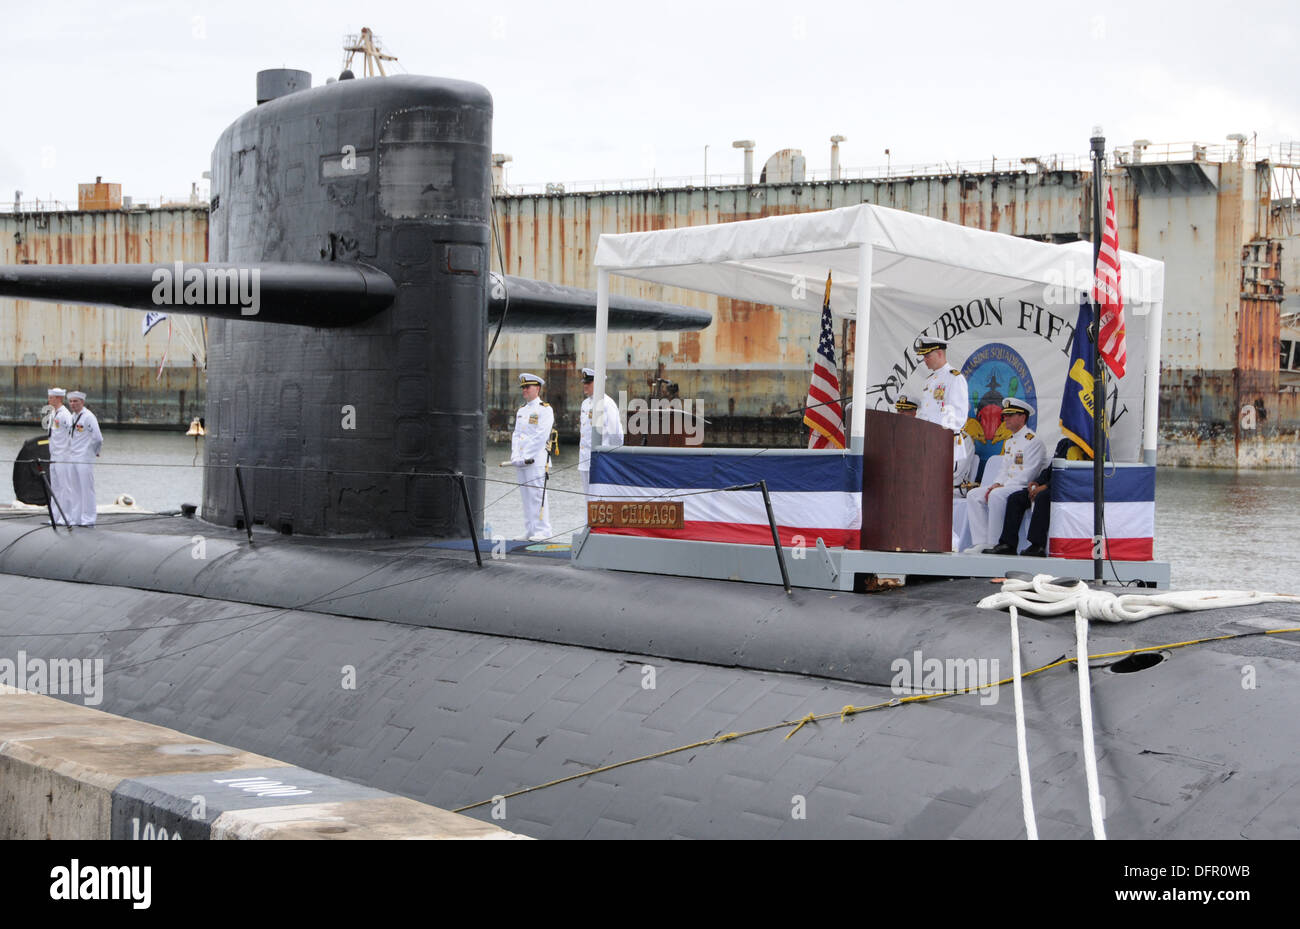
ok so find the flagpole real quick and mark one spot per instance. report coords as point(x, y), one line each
point(1098, 370)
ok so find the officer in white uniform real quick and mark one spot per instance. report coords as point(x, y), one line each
point(84, 442)
point(56, 420)
point(1023, 456)
point(612, 428)
point(945, 398)
point(533, 424)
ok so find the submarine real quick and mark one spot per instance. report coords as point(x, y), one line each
point(553, 699)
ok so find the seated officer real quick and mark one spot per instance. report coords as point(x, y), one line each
point(1022, 456)
point(1038, 493)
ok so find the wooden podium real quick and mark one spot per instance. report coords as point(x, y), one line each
point(906, 485)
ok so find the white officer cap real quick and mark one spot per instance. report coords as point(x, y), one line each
point(1016, 405)
point(588, 374)
point(902, 403)
point(927, 345)
point(76, 395)
point(56, 392)
point(529, 380)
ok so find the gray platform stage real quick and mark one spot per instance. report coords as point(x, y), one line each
point(829, 568)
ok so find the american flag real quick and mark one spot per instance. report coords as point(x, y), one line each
point(822, 413)
point(1105, 294)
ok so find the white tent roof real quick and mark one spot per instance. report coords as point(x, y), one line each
point(783, 260)
point(764, 260)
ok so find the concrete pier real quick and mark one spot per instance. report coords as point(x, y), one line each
point(72, 772)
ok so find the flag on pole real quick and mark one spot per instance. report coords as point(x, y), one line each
point(1106, 296)
point(1077, 398)
point(822, 412)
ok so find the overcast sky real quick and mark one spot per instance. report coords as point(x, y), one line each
point(139, 91)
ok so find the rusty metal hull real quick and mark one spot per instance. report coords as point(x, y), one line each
point(101, 351)
point(752, 364)
point(1230, 254)
point(1224, 278)
point(125, 394)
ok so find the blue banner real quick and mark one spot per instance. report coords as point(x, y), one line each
point(783, 471)
point(1127, 484)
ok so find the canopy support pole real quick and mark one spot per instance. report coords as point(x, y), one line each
point(858, 414)
point(602, 350)
point(1150, 429)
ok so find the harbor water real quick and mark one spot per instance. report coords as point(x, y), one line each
point(1217, 528)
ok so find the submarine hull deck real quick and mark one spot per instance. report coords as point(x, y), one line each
point(473, 683)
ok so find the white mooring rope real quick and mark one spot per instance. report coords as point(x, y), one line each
point(1085, 722)
point(1040, 597)
point(1022, 749)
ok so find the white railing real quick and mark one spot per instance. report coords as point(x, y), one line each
point(1057, 162)
point(1282, 154)
point(137, 203)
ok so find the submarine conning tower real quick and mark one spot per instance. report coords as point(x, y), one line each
point(394, 173)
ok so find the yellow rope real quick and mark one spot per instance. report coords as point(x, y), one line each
point(810, 718)
point(851, 710)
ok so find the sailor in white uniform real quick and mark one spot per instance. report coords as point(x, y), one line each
point(945, 398)
point(533, 424)
point(1023, 456)
point(56, 420)
point(84, 442)
point(611, 429)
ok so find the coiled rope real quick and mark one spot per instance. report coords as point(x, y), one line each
point(1048, 596)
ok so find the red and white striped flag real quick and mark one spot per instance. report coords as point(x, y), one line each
point(1106, 296)
point(822, 412)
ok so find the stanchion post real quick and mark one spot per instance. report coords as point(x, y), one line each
point(243, 502)
point(776, 537)
point(469, 516)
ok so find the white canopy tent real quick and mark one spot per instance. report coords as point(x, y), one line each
point(783, 260)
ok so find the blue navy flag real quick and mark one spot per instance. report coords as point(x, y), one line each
point(1076, 400)
point(151, 319)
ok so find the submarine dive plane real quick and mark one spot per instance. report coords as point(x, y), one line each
point(559, 701)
